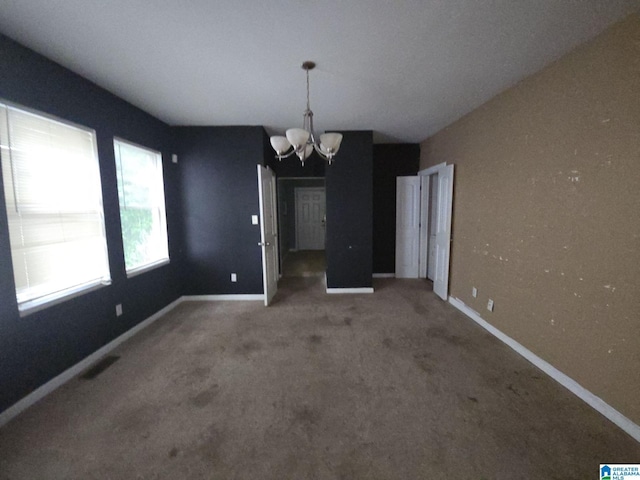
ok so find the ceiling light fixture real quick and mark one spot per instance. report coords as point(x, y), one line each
point(303, 139)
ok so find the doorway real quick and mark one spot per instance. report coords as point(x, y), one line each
point(423, 226)
point(301, 223)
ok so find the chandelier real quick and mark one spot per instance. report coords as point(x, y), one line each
point(302, 141)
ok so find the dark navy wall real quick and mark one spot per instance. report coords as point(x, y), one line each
point(41, 345)
point(219, 194)
point(349, 187)
point(389, 162)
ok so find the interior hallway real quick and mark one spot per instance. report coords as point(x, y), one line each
point(394, 385)
point(304, 263)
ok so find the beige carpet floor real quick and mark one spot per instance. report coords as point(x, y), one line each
point(394, 385)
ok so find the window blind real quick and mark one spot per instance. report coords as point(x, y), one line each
point(53, 197)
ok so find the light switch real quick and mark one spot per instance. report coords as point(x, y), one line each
point(254, 219)
point(234, 277)
point(174, 158)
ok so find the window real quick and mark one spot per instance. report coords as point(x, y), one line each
point(142, 212)
point(53, 197)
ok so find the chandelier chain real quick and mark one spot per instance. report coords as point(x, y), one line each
point(303, 139)
point(308, 104)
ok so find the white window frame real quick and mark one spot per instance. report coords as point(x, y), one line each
point(137, 270)
point(40, 302)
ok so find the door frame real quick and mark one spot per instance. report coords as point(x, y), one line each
point(425, 208)
point(283, 243)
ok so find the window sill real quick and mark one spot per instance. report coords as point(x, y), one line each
point(145, 268)
point(32, 306)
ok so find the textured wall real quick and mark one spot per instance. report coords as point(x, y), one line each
point(547, 213)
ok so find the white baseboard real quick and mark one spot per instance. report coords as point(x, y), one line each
point(384, 275)
point(574, 387)
point(219, 298)
point(56, 382)
point(350, 290)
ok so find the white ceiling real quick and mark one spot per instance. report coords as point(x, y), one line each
point(403, 68)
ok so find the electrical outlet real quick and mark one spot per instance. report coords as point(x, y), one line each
point(474, 292)
point(234, 277)
point(490, 305)
point(118, 310)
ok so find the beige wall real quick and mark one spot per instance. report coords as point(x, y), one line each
point(546, 215)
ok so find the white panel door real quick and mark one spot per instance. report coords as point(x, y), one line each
point(310, 218)
point(268, 232)
point(407, 227)
point(443, 232)
point(433, 225)
point(424, 224)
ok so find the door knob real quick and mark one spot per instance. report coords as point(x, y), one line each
point(264, 244)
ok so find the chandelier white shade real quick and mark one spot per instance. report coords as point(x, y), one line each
point(302, 141)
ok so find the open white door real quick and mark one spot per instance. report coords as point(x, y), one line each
point(407, 227)
point(432, 227)
point(424, 225)
point(268, 232)
point(443, 232)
